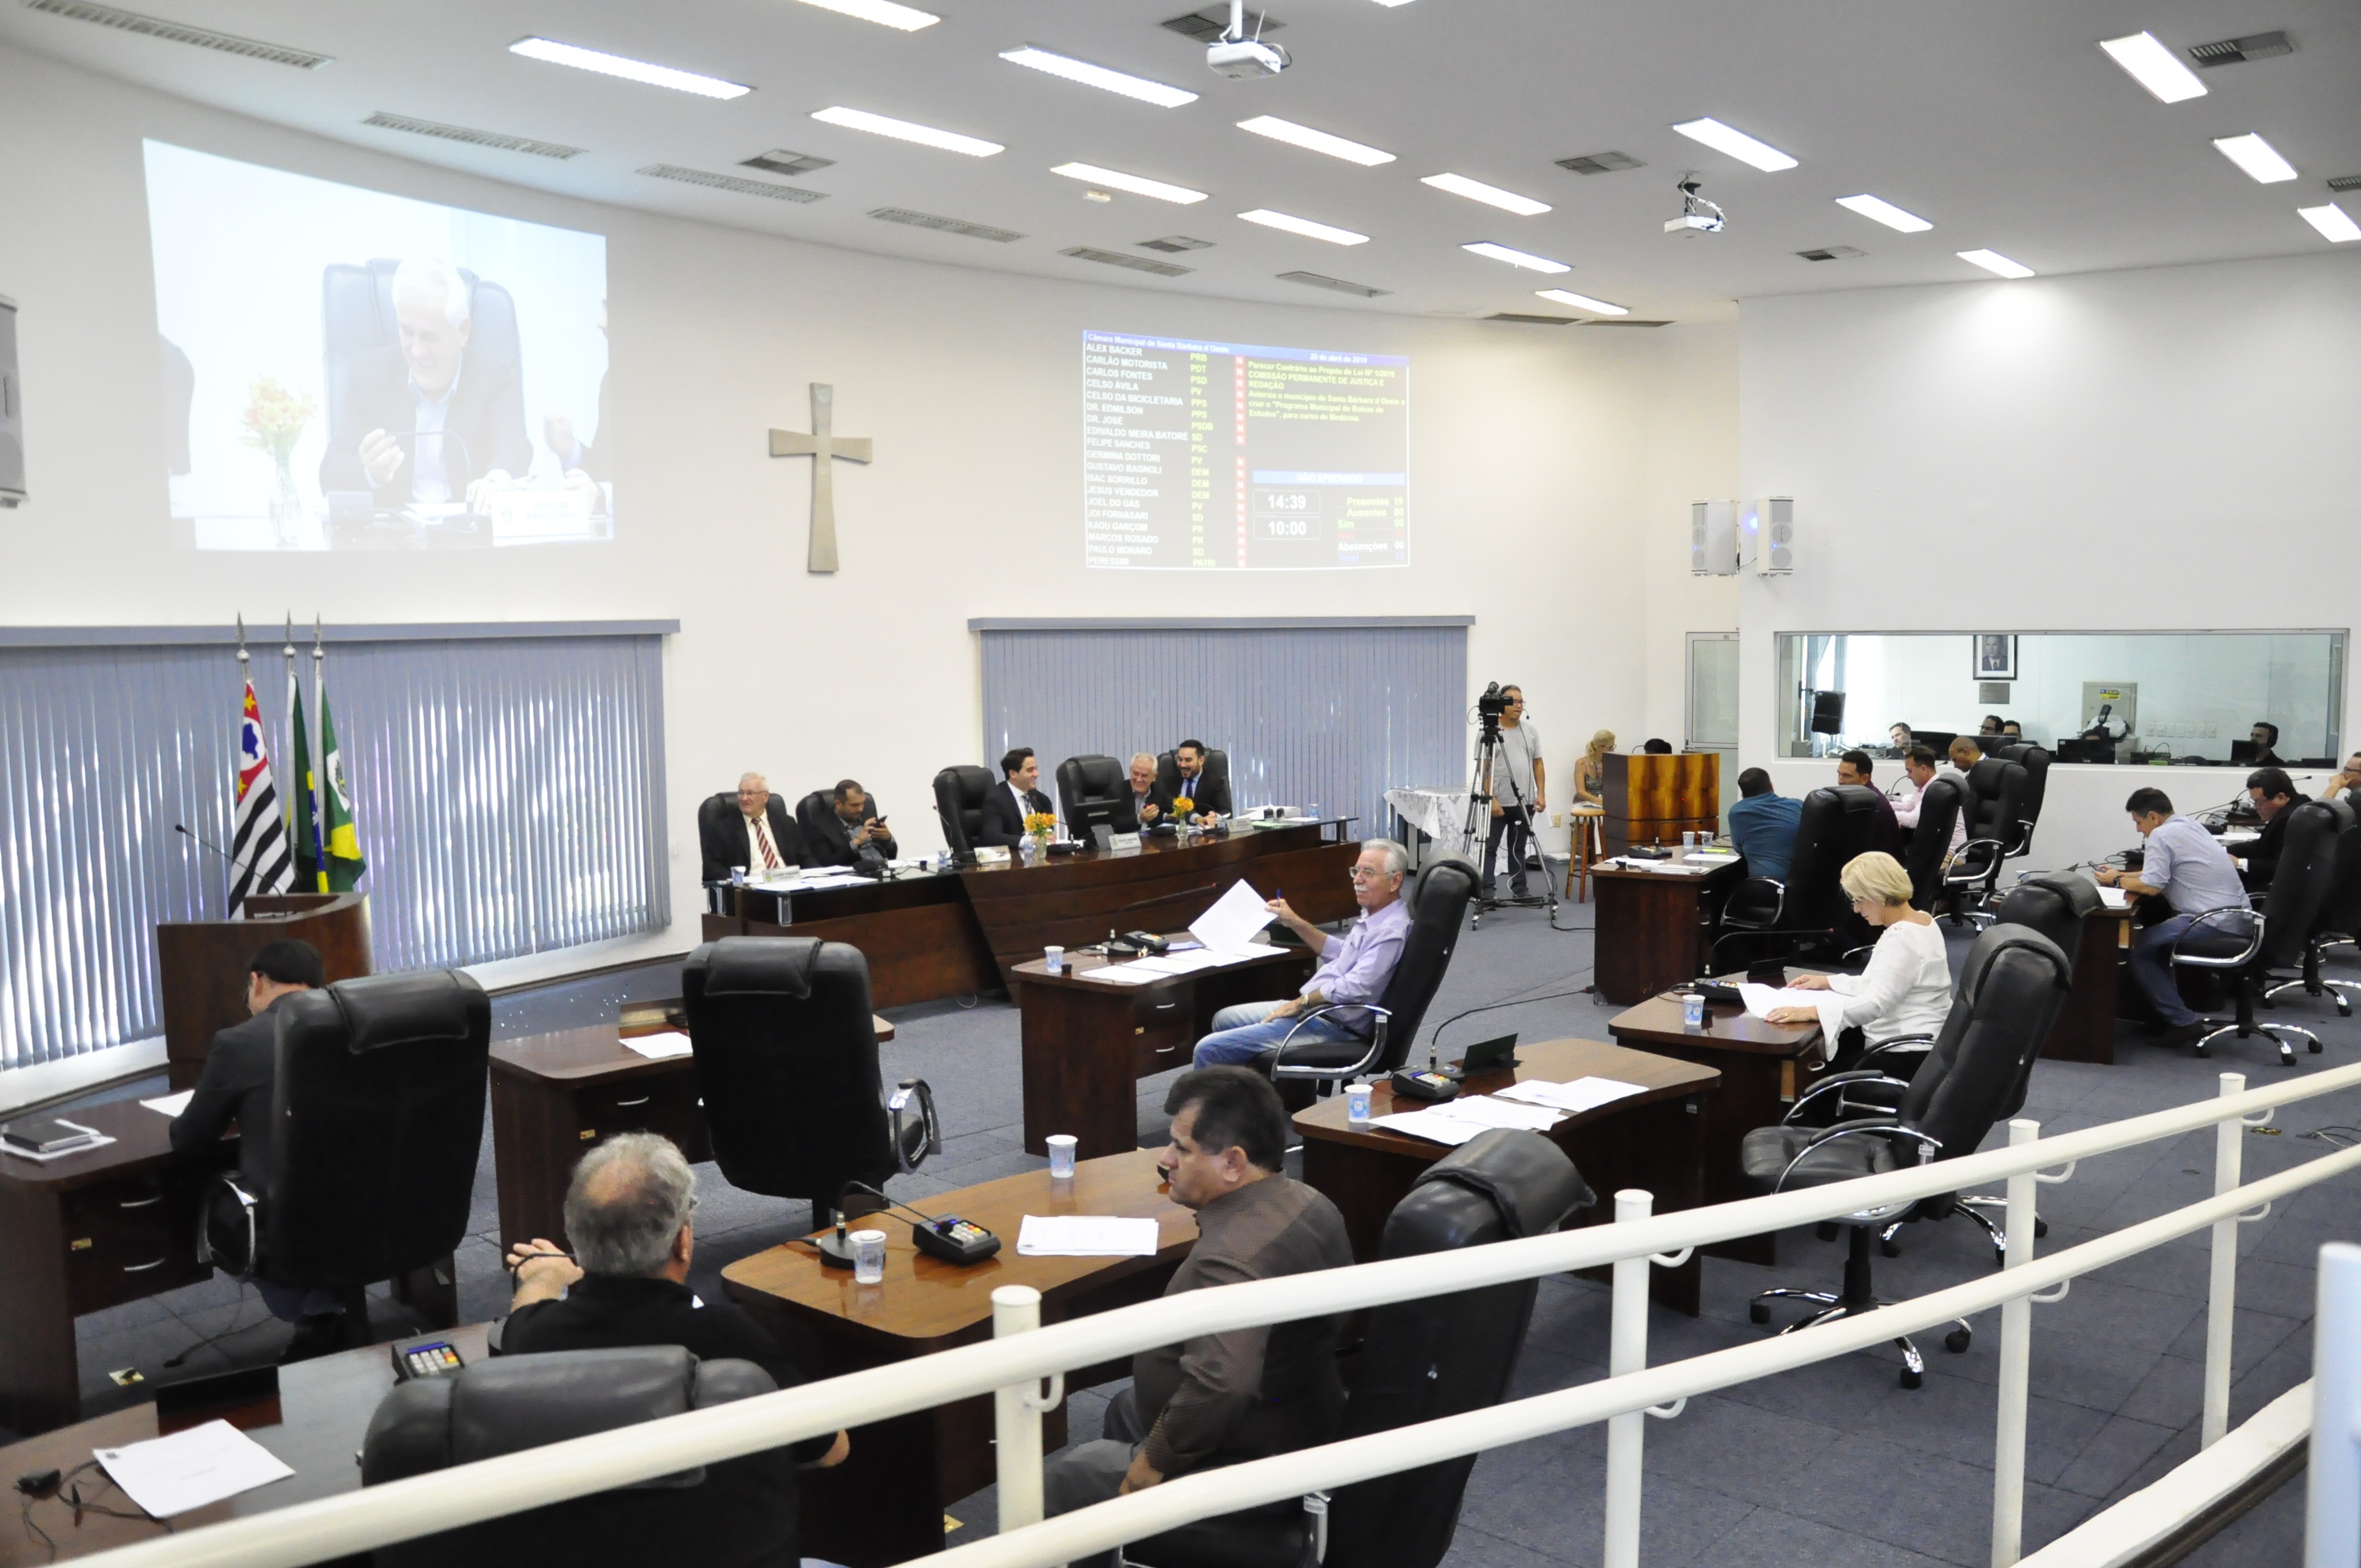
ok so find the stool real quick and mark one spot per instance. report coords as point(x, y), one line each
point(1584, 844)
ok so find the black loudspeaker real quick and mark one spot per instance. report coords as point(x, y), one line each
point(12, 410)
point(1828, 712)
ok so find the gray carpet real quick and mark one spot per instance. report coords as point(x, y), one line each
point(1831, 1465)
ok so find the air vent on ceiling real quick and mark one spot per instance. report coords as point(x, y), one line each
point(473, 138)
point(2229, 51)
point(2345, 182)
point(1600, 162)
point(779, 161)
point(180, 33)
point(1210, 23)
point(1620, 321)
point(1174, 243)
point(1829, 253)
point(1531, 321)
point(946, 225)
point(731, 183)
point(1117, 259)
point(1321, 280)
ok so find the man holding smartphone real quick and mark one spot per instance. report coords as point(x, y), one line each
point(850, 825)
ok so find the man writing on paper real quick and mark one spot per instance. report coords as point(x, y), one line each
point(1221, 1399)
point(1354, 969)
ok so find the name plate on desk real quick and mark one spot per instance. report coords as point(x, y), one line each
point(1124, 841)
point(521, 514)
point(993, 855)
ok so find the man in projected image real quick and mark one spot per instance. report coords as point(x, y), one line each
point(440, 425)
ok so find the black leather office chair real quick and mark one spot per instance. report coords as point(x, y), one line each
point(1438, 900)
point(1217, 766)
point(2339, 922)
point(1423, 1361)
point(1092, 778)
point(1808, 911)
point(1996, 808)
point(356, 316)
point(740, 1513)
point(813, 811)
point(2035, 760)
point(2244, 946)
point(959, 790)
point(377, 1113)
point(2009, 993)
point(786, 1055)
point(1939, 803)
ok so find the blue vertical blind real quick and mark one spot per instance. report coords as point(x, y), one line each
point(1332, 714)
point(508, 792)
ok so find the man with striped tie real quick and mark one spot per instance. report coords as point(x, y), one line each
point(759, 835)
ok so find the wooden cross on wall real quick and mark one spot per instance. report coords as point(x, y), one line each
point(822, 445)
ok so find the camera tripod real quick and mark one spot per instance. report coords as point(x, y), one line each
point(1479, 832)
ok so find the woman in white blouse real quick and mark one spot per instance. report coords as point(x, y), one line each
point(1906, 987)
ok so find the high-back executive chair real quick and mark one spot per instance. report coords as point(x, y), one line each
point(1808, 910)
point(1997, 822)
point(1438, 899)
point(1940, 805)
point(740, 1513)
point(813, 811)
point(2339, 921)
point(2035, 760)
point(1423, 1360)
point(376, 1113)
point(2244, 946)
point(1088, 778)
point(786, 1055)
point(2009, 994)
point(959, 790)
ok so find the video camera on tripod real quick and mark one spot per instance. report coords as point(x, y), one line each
point(1488, 708)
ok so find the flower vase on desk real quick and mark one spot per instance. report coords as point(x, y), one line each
point(286, 506)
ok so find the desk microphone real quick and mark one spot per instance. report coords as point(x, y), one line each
point(182, 829)
point(1142, 941)
point(945, 1237)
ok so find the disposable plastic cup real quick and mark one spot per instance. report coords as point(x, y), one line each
point(1356, 1103)
point(1061, 1156)
point(868, 1257)
point(1054, 960)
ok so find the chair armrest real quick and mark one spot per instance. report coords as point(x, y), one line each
point(1376, 1042)
point(1921, 1044)
point(1881, 1126)
point(2205, 916)
point(1838, 1082)
point(2000, 853)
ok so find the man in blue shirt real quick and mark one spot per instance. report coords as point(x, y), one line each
point(2187, 867)
point(1355, 967)
point(1763, 825)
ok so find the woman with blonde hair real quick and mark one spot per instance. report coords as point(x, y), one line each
point(1905, 989)
point(1590, 772)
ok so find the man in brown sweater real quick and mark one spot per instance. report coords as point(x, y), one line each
point(1221, 1399)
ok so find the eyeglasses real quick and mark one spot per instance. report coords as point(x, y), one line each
point(1362, 874)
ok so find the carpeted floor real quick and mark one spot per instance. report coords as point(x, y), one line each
point(1830, 1465)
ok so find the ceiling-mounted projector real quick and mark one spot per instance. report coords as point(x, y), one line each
point(1698, 214)
point(1240, 58)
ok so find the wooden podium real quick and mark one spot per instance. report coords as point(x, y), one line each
point(1654, 799)
point(202, 964)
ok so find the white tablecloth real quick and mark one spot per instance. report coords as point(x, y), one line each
point(1440, 814)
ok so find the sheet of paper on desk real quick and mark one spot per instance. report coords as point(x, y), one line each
point(1486, 1111)
point(1762, 1001)
point(170, 1104)
point(661, 1045)
point(2115, 897)
point(1187, 962)
point(1085, 1235)
point(1233, 921)
point(1120, 974)
point(1582, 1094)
point(2240, 834)
point(169, 1475)
point(1431, 1125)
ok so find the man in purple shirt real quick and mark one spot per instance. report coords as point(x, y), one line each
point(1354, 968)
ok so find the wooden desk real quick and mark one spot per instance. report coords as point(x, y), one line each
point(1653, 1140)
point(2085, 1030)
point(1761, 1066)
point(555, 1095)
point(1656, 930)
point(1088, 1043)
point(917, 931)
point(324, 1409)
point(885, 1503)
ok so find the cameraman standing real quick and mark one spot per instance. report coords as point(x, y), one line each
point(1519, 787)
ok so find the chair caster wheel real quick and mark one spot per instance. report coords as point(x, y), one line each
point(2040, 1226)
point(1758, 1311)
point(1826, 1230)
point(1958, 1341)
point(1889, 1246)
point(2314, 1047)
point(1912, 1379)
point(2202, 1048)
point(2287, 1056)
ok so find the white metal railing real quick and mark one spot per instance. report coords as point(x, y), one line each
point(1012, 1365)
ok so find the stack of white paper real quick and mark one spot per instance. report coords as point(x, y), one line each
point(1453, 1122)
point(662, 1046)
point(170, 1104)
point(1119, 974)
point(2113, 897)
point(167, 1476)
point(1431, 1125)
point(1764, 999)
point(1085, 1235)
point(1582, 1094)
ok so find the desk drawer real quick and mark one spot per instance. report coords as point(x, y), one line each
point(129, 1239)
point(1163, 1029)
point(657, 1103)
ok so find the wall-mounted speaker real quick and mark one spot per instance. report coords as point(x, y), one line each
point(12, 409)
point(1775, 536)
point(1713, 539)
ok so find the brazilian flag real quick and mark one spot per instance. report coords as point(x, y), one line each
point(303, 829)
point(342, 868)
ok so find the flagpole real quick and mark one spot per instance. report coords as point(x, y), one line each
point(246, 681)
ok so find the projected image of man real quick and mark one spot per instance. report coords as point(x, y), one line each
point(438, 423)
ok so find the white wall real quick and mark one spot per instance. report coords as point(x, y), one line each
point(1535, 502)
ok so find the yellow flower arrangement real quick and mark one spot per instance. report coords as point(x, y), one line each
point(1040, 824)
point(275, 417)
point(1183, 807)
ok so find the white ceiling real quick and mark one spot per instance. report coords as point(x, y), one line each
point(2000, 121)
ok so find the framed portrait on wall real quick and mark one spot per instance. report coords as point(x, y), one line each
point(1996, 656)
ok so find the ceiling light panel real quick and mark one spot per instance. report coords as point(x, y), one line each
point(1582, 302)
point(2335, 225)
point(1885, 212)
point(885, 13)
point(630, 70)
point(1314, 141)
point(1517, 257)
point(1490, 195)
point(2259, 157)
point(1303, 226)
point(1138, 185)
point(905, 130)
point(1762, 155)
point(1993, 261)
point(2154, 67)
point(1105, 78)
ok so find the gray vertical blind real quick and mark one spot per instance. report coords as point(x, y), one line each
point(1332, 714)
point(508, 794)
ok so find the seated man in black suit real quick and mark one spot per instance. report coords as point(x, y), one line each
point(2276, 798)
point(241, 1067)
point(1209, 798)
point(762, 837)
point(1005, 809)
point(425, 421)
point(851, 827)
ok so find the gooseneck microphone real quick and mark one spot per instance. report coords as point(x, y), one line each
point(182, 829)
